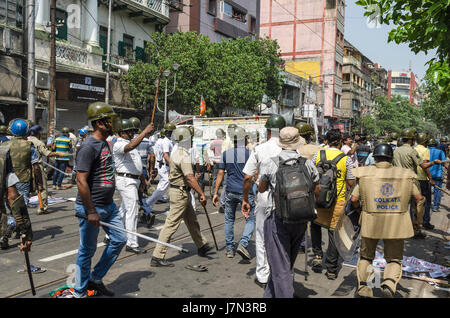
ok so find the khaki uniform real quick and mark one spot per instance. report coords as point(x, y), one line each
point(308, 151)
point(407, 157)
point(384, 192)
point(42, 150)
point(180, 203)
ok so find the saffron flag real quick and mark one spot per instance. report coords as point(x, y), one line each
point(202, 106)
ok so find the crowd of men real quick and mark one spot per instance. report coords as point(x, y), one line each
point(115, 153)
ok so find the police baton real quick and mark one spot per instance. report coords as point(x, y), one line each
point(148, 238)
point(210, 226)
point(27, 262)
point(440, 189)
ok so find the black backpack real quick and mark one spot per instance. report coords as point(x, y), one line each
point(294, 192)
point(328, 176)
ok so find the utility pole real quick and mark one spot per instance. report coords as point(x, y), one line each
point(108, 53)
point(52, 71)
point(31, 111)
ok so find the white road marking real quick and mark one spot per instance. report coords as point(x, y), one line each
point(62, 255)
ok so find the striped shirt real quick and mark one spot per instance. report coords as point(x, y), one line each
point(63, 145)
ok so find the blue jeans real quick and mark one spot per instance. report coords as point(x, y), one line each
point(24, 189)
point(58, 176)
point(437, 194)
point(231, 202)
point(88, 245)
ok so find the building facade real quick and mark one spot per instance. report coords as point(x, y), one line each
point(358, 89)
point(81, 43)
point(311, 37)
point(13, 60)
point(216, 19)
point(404, 84)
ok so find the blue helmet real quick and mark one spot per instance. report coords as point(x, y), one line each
point(18, 127)
point(82, 132)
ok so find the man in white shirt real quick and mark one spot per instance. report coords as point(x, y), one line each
point(263, 207)
point(163, 149)
point(128, 167)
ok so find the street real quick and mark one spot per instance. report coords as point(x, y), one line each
point(56, 240)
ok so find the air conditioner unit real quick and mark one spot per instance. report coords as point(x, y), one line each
point(42, 79)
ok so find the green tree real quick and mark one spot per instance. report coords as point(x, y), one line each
point(436, 109)
point(424, 25)
point(394, 115)
point(232, 73)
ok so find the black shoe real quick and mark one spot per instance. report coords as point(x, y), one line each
point(331, 275)
point(135, 250)
point(100, 288)
point(262, 285)
point(387, 292)
point(4, 243)
point(150, 220)
point(221, 210)
point(428, 226)
point(160, 262)
point(106, 240)
point(202, 251)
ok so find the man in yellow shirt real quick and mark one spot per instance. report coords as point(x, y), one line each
point(425, 179)
point(328, 217)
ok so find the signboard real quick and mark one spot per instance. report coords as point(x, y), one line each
point(340, 126)
point(77, 87)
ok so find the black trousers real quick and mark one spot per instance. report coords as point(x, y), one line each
point(425, 188)
point(331, 255)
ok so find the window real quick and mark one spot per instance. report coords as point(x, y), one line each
point(331, 4)
point(126, 47)
point(401, 80)
point(11, 12)
point(233, 12)
point(346, 77)
point(212, 7)
point(61, 24)
point(252, 26)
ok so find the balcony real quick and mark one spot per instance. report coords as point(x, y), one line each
point(152, 10)
point(353, 61)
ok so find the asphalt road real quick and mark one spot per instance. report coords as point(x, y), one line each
point(56, 241)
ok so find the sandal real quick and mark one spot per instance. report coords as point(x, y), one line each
point(197, 268)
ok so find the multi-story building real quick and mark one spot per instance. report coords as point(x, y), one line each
point(81, 44)
point(311, 37)
point(215, 18)
point(13, 59)
point(357, 87)
point(379, 80)
point(404, 84)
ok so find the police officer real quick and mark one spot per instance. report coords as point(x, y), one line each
point(216, 148)
point(162, 157)
point(8, 181)
point(383, 188)
point(145, 150)
point(128, 166)
point(263, 206)
point(407, 157)
point(24, 158)
point(3, 132)
point(42, 150)
point(309, 148)
point(181, 178)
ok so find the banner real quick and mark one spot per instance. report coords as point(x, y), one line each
point(202, 106)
